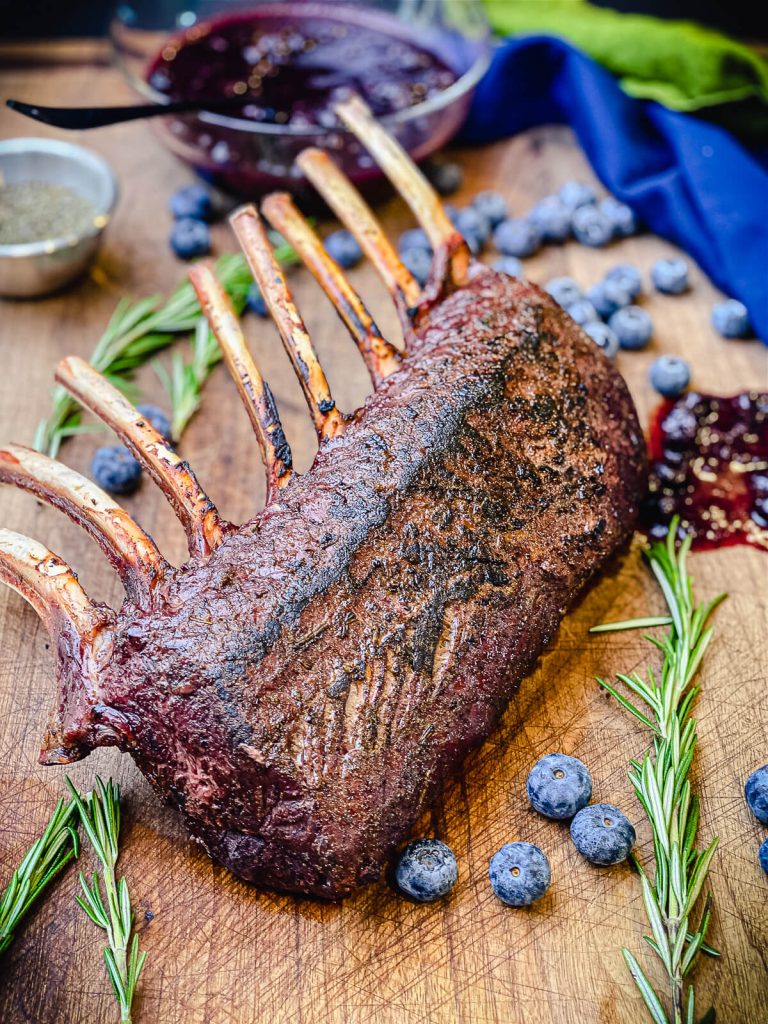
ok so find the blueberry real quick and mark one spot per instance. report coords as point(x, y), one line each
point(473, 225)
point(426, 870)
point(670, 276)
point(158, 418)
point(602, 834)
point(445, 177)
point(621, 216)
point(492, 206)
point(519, 874)
point(510, 265)
point(591, 226)
point(255, 301)
point(343, 247)
point(414, 238)
point(607, 297)
point(632, 326)
point(763, 855)
point(670, 375)
point(419, 262)
point(191, 201)
point(516, 237)
point(756, 792)
point(115, 469)
point(583, 312)
point(730, 319)
point(627, 277)
point(190, 238)
point(552, 219)
point(576, 194)
point(603, 337)
point(558, 786)
point(564, 291)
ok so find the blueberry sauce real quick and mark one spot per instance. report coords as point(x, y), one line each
point(292, 62)
point(709, 465)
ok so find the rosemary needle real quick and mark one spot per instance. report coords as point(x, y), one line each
point(662, 784)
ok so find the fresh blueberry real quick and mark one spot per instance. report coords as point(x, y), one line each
point(558, 786)
point(602, 834)
point(591, 226)
point(756, 792)
point(426, 870)
point(158, 418)
point(670, 375)
point(607, 297)
point(603, 337)
point(551, 218)
point(255, 301)
point(193, 201)
point(564, 291)
point(763, 855)
point(583, 312)
point(414, 238)
point(492, 206)
point(621, 216)
point(516, 237)
point(343, 247)
point(670, 276)
point(473, 224)
point(508, 265)
point(115, 469)
point(519, 874)
point(445, 177)
point(730, 319)
point(627, 277)
point(576, 194)
point(190, 238)
point(419, 262)
point(632, 326)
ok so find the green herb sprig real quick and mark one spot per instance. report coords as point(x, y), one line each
point(47, 856)
point(661, 780)
point(100, 817)
point(139, 330)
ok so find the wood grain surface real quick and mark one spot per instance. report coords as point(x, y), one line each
point(221, 952)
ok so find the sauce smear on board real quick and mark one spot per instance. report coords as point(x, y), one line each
point(709, 465)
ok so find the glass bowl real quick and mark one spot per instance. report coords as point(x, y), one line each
point(249, 157)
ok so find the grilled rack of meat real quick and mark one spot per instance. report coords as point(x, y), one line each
point(300, 688)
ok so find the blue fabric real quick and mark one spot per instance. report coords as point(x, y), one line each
point(689, 180)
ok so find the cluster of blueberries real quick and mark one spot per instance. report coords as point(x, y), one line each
point(559, 787)
point(756, 792)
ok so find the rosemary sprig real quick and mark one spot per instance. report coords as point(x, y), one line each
point(662, 784)
point(137, 331)
point(55, 848)
point(100, 817)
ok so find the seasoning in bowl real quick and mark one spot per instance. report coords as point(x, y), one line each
point(33, 211)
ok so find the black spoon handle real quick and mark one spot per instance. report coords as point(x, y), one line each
point(97, 117)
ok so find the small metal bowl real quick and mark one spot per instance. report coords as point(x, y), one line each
point(37, 268)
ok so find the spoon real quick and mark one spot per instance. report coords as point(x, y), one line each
point(97, 117)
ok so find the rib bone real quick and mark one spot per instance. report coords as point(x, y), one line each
point(381, 358)
point(254, 390)
point(252, 236)
point(353, 211)
point(131, 551)
point(197, 513)
point(411, 184)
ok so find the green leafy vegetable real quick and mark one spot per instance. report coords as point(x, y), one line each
point(662, 784)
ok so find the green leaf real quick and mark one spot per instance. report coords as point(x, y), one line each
point(646, 623)
point(652, 1001)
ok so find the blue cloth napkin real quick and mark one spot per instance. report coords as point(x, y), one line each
point(689, 180)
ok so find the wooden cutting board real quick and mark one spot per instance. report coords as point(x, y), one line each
point(221, 952)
